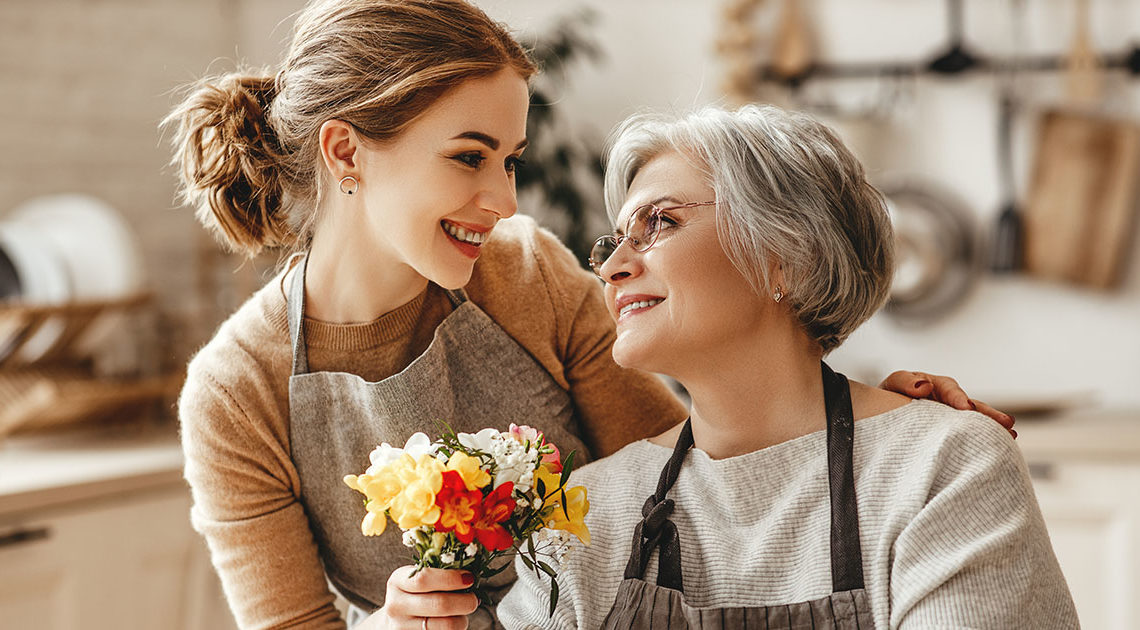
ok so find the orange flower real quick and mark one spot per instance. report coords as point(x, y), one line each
point(459, 507)
point(497, 507)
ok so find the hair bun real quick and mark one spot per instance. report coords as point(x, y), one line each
point(229, 161)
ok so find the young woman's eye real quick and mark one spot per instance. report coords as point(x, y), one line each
point(513, 163)
point(474, 160)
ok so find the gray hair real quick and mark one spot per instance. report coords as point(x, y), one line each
point(788, 191)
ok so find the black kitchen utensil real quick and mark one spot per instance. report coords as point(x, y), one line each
point(956, 58)
point(1006, 255)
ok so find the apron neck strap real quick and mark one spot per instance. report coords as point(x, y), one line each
point(296, 311)
point(656, 531)
point(457, 297)
point(846, 556)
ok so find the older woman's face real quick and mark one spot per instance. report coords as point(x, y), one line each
point(682, 300)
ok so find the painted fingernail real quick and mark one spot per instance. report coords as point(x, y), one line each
point(918, 384)
point(1013, 433)
point(970, 401)
point(468, 579)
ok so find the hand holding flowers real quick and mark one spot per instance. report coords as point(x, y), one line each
point(470, 501)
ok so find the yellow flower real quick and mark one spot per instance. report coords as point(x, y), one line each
point(415, 505)
point(469, 470)
point(572, 518)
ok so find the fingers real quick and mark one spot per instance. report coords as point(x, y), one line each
point(429, 594)
point(1004, 419)
point(911, 384)
point(428, 580)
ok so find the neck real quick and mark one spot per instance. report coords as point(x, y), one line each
point(349, 279)
point(758, 393)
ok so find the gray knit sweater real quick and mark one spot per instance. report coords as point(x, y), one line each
point(950, 530)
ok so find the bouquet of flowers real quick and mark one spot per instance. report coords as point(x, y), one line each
point(468, 499)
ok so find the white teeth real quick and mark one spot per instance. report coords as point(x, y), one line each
point(632, 306)
point(467, 236)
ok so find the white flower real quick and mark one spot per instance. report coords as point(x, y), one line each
point(481, 441)
point(471, 550)
point(419, 444)
point(410, 538)
point(447, 558)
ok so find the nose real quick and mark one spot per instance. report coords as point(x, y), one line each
point(622, 265)
point(498, 194)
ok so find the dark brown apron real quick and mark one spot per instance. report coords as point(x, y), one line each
point(473, 375)
point(642, 605)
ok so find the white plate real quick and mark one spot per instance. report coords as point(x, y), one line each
point(43, 280)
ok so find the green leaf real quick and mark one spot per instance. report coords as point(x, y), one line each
point(541, 488)
point(527, 561)
point(567, 466)
point(564, 510)
point(553, 597)
point(547, 569)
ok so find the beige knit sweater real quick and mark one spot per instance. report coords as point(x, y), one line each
point(234, 408)
point(949, 527)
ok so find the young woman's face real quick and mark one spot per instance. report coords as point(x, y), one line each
point(433, 194)
point(682, 299)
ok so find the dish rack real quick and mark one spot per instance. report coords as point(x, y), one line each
point(60, 387)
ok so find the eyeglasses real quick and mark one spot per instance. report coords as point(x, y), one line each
point(641, 231)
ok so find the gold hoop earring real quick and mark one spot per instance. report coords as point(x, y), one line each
point(778, 295)
point(352, 183)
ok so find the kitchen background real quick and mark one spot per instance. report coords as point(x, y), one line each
point(84, 84)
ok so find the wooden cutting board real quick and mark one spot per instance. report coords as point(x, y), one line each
point(1080, 213)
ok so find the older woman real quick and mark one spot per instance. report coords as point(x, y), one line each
point(749, 246)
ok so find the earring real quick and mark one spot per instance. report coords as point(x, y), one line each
point(348, 185)
point(779, 294)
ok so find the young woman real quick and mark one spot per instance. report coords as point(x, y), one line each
point(383, 149)
point(750, 245)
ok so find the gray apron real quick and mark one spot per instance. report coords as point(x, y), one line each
point(642, 605)
point(472, 376)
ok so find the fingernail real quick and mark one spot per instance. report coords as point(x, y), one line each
point(970, 401)
point(468, 579)
point(1013, 433)
point(918, 384)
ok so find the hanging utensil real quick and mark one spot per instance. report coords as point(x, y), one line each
point(792, 50)
point(1082, 66)
point(956, 58)
point(1006, 253)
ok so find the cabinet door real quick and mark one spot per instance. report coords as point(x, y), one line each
point(132, 562)
point(1093, 516)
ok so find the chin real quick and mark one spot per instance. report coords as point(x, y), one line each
point(452, 279)
point(636, 354)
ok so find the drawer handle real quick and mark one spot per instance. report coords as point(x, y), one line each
point(21, 536)
point(1042, 471)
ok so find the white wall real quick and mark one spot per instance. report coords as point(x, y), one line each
point(1013, 338)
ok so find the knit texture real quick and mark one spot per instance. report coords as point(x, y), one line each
point(950, 530)
point(234, 407)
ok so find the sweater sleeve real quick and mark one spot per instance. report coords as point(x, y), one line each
point(526, 606)
point(615, 405)
point(245, 507)
point(977, 555)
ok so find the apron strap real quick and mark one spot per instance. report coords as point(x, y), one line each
point(457, 296)
point(846, 556)
point(296, 311)
point(656, 531)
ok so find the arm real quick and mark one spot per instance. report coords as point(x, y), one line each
point(977, 554)
point(945, 390)
point(245, 506)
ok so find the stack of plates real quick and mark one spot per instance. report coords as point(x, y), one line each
point(63, 248)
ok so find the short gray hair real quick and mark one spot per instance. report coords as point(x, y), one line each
point(786, 188)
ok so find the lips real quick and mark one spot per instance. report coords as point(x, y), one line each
point(467, 238)
point(628, 304)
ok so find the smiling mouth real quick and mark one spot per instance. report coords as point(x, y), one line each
point(464, 235)
point(633, 306)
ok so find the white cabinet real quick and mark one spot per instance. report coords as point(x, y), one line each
point(116, 562)
point(1086, 474)
point(1093, 515)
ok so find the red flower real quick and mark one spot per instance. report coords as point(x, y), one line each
point(497, 507)
point(459, 507)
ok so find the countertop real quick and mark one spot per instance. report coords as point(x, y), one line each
point(1097, 434)
point(49, 470)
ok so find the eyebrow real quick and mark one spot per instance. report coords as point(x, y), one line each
point(490, 141)
point(654, 202)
